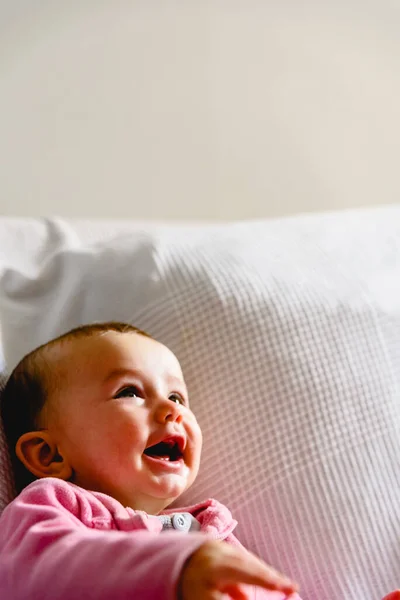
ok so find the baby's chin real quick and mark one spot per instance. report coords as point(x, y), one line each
point(171, 494)
point(171, 489)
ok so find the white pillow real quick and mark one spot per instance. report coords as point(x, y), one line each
point(289, 336)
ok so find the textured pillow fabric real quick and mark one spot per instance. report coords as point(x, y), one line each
point(289, 337)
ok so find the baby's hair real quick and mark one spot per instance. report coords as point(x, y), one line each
point(28, 388)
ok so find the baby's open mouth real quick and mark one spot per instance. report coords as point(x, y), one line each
point(167, 450)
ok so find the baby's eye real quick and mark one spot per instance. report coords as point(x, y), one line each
point(129, 391)
point(175, 397)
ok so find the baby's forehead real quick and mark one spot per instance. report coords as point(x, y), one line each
point(99, 352)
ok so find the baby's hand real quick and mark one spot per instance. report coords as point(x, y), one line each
point(218, 568)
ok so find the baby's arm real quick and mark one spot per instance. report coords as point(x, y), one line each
point(42, 537)
point(46, 552)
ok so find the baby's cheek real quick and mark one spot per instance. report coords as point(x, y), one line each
point(127, 439)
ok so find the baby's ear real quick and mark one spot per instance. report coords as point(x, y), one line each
point(39, 454)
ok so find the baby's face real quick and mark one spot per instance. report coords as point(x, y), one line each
point(121, 418)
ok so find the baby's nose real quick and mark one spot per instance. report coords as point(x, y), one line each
point(168, 411)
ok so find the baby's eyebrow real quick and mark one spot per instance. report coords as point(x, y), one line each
point(115, 373)
point(176, 381)
point(122, 372)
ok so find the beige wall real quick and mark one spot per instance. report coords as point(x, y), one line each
point(198, 108)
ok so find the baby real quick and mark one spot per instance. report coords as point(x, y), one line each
point(102, 440)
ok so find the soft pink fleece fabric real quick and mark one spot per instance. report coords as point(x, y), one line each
point(61, 542)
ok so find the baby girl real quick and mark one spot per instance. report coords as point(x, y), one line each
point(102, 440)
